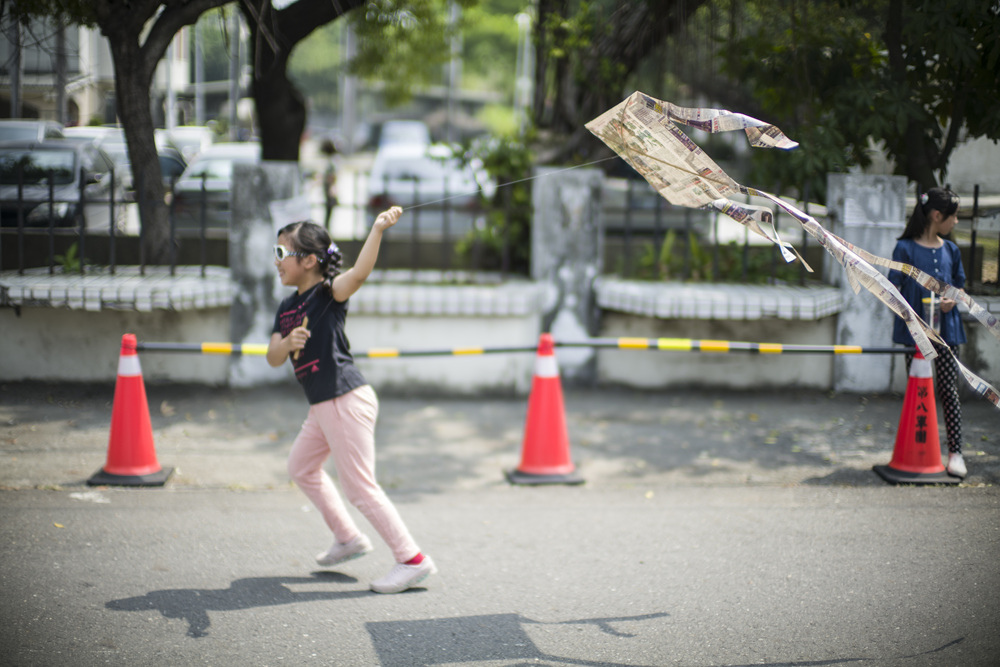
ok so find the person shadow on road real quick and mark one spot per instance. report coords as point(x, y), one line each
point(193, 604)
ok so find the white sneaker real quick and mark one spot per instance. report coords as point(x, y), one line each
point(956, 465)
point(403, 576)
point(345, 551)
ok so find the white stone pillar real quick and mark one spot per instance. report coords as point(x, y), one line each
point(868, 211)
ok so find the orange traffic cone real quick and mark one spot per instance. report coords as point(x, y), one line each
point(545, 452)
point(131, 453)
point(916, 458)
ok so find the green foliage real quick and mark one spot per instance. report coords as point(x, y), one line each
point(70, 262)
point(489, 45)
point(700, 262)
point(215, 44)
point(403, 45)
point(508, 221)
point(575, 34)
point(316, 65)
point(499, 119)
point(419, 38)
point(838, 78)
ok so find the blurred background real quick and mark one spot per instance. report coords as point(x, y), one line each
point(439, 105)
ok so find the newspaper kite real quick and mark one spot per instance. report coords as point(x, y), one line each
point(644, 132)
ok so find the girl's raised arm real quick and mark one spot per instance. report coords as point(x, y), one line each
point(350, 281)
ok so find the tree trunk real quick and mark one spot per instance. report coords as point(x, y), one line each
point(132, 86)
point(588, 80)
point(912, 151)
point(281, 112)
point(281, 109)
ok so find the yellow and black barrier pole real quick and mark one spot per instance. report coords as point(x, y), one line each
point(725, 346)
point(651, 344)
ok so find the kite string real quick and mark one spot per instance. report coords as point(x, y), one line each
point(504, 185)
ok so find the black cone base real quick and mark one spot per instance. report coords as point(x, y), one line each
point(518, 477)
point(894, 476)
point(101, 478)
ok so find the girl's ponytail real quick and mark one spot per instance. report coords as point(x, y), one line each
point(331, 260)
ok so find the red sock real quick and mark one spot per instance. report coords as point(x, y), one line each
point(416, 560)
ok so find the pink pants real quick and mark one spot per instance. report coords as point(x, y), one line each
point(345, 427)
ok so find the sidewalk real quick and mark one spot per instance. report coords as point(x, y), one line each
point(57, 436)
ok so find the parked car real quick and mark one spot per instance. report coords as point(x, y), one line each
point(18, 129)
point(404, 133)
point(112, 141)
point(70, 167)
point(434, 183)
point(190, 140)
point(172, 165)
point(210, 173)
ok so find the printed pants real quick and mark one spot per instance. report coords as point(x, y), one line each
point(345, 427)
point(946, 391)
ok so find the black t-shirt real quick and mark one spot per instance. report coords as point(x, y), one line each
point(325, 367)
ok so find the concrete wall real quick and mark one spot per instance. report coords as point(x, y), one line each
point(480, 374)
point(650, 369)
point(64, 345)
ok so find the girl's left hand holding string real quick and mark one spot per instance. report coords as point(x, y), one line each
point(387, 218)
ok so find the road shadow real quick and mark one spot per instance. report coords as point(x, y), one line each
point(469, 639)
point(193, 604)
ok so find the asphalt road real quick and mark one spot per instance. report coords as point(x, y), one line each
point(713, 529)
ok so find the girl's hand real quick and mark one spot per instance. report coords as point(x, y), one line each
point(387, 218)
point(946, 305)
point(297, 339)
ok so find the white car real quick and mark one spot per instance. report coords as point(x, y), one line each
point(29, 129)
point(111, 140)
point(404, 133)
point(213, 171)
point(434, 184)
point(190, 140)
point(409, 175)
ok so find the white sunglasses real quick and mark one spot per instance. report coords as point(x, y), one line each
point(281, 252)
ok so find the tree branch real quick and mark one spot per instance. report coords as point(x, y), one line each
point(168, 23)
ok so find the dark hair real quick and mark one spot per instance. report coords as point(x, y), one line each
point(938, 199)
point(313, 239)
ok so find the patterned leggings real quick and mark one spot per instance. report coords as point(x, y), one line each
point(946, 381)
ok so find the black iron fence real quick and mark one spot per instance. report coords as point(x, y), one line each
point(79, 230)
point(648, 238)
point(978, 236)
point(645, 236)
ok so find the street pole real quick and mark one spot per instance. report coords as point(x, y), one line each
point(454, 69)
point(523, 78)
point(199, 78)
point(171, 91)
point(61, 109)
point(348, 92)
point(234, 73)
point(16, 68)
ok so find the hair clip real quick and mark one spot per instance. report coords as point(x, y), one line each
point(923, 198)
point(333, 249)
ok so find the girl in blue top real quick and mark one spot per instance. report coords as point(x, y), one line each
point(309, 330)
point(925, 245)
